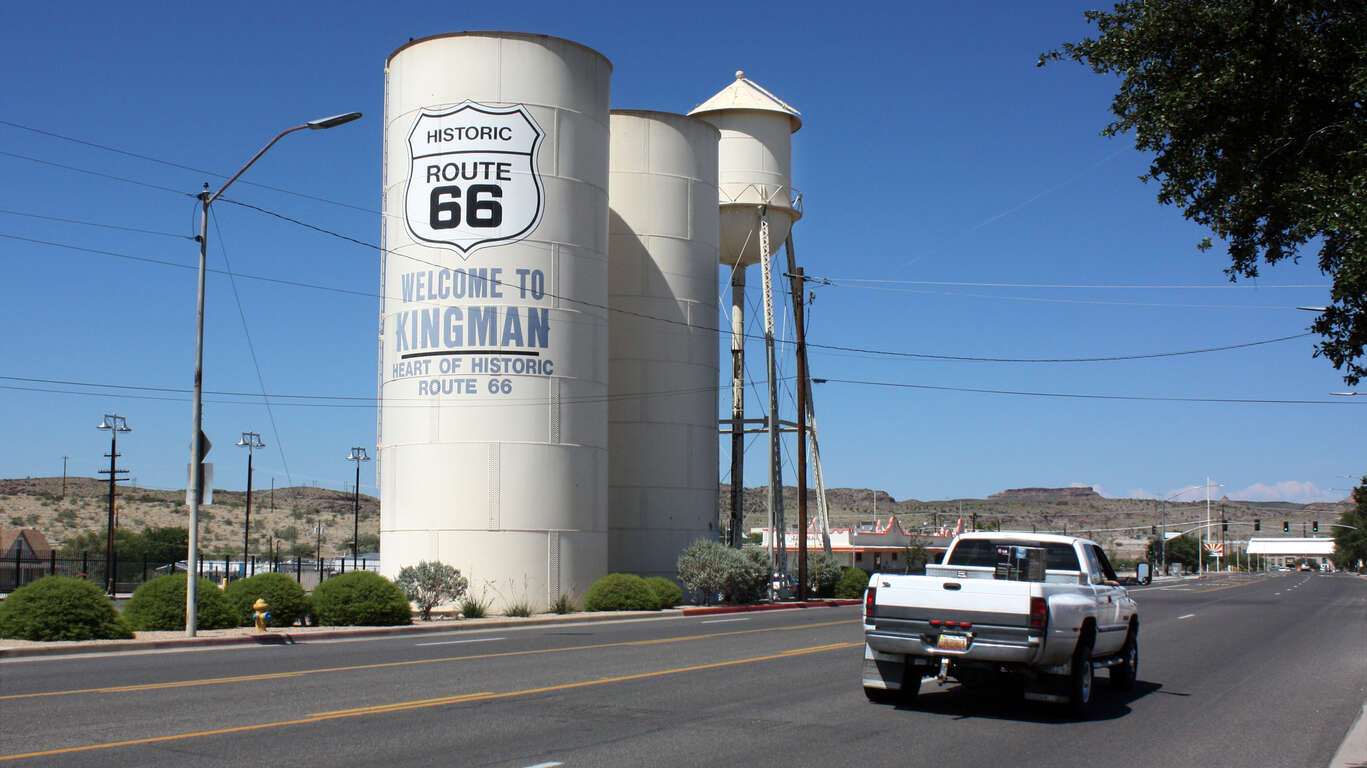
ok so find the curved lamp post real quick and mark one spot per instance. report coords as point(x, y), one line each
point(196, 445)
point(358, 456)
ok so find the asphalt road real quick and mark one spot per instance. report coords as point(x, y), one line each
point(1234, 671)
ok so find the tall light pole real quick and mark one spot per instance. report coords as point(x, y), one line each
point(358, 456)
point(115, 424)
point(251, 441)
point(196, 410)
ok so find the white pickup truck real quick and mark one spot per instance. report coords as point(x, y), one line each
point(1041, 609)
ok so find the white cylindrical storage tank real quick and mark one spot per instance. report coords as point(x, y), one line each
point(755, 167)
point(493, 323)
point(662, 411)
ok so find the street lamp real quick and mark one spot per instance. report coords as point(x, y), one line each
point(358, 456)
point(115, 424)
point(196, 409)
point(251, 441)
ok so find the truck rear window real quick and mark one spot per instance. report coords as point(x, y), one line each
point(983, 552)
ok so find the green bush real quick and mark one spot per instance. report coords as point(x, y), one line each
point(429, 584)
point(160, 604)
point(360, 598)
point(621, 592)
point(60, 608)
point(823, 573)
point(666, 592)
point(709, 568)
point(852, 584)
point(285, 599)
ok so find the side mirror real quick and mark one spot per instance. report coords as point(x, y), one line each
point(1144, 573)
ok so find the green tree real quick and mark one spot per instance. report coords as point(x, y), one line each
point(1256, 116)
point(1350, 538)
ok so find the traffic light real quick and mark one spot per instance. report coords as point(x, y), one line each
point(1257, 525)
point(1315, 526)
point(1286, 527)
point(1153, 530)
point(1224, 526)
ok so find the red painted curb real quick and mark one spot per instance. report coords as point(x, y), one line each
point(766, 607)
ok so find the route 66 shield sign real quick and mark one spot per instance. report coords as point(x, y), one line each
point(474, 181)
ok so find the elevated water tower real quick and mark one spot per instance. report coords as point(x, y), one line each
point(758, 209)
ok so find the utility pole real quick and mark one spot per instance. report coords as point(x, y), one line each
point(115, 424)
point(251, 441)
point(64, 458)
point(801, 435)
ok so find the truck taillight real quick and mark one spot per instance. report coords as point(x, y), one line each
point(1039, 613)
point(868, 605)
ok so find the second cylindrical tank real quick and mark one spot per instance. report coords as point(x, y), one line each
point(662, 412)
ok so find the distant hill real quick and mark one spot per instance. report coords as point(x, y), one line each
point(289, 514)
point(1044, 509)
point(1047, 494)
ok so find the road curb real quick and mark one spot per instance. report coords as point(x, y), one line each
point(286, 637)
point(705, 610)
point(1353, 751)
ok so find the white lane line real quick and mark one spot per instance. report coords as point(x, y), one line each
point(475, 640)
point(544, 765)
point(1188, 616)
point(720, 621)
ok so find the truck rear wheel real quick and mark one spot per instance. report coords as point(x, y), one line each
point(911, 685)
point(1080, 679)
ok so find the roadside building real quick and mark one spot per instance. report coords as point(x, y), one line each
point(1281, 552)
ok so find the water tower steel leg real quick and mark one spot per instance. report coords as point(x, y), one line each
point(737, 406)
point(775, 466)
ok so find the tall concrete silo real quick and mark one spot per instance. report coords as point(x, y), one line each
point(758, 207)
point(493, 334)
point(662, 414)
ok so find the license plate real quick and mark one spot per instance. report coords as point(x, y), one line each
point(952, 642)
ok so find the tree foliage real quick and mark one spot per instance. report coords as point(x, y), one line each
point(429, 584)
point(156, 545)
point(707, 569)
point(1350, 538)
point(1256, 112)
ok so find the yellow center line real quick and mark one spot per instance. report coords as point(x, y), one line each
point(424, 703)
point(392, 664)
point(1227, 586)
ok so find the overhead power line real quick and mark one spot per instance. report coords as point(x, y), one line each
point(1079, 396)
point(644, 316)
point(181, 166)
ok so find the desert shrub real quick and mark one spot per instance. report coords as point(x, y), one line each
point(430, 584)
point(823, 573)
point(472, 607)
point(521, 609)
point(852, 584)
point(160, 604)
point(360, 598)
point(285, 599)
point(666, 592)
point(563, 604)
point(620, 592)
point(749, 582)
point(703, 568)
point(60, 608)
point(708, 568)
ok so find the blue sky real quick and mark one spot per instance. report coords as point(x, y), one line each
point(960, 201)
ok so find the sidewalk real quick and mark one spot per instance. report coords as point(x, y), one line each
point(242, 636)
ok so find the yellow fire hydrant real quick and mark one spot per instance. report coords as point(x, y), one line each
point(261, 614)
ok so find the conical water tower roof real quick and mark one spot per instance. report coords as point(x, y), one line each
point(744, 93)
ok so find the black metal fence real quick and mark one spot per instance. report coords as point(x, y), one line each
point(130, 573)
